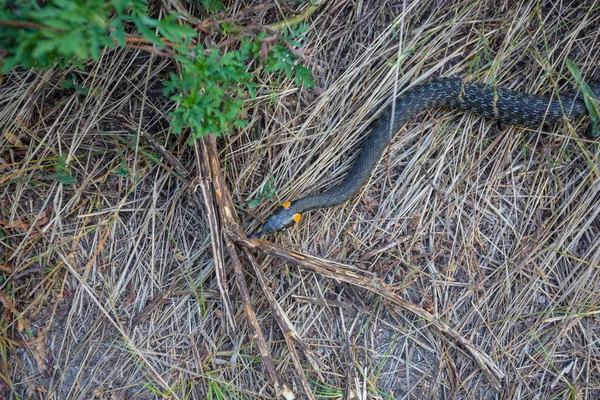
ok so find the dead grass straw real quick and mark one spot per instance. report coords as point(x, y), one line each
point(471, 257)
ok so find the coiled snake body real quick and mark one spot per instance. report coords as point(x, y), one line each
point(506, 106)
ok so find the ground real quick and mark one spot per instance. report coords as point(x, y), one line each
point(109, 286)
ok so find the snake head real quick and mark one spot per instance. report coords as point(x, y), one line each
point(284, 217)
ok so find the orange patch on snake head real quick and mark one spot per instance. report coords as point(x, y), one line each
point(297, 217)
point(287, 204)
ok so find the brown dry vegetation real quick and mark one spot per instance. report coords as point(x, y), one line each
point(109, 289)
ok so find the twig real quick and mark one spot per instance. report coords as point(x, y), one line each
point(181, 10)
point(218, 204)
point(207, 25)
point(227, 215)
point(289, 333)
point(215, 231)
point(27, 24)
point(348, 274)
point(349, 367)
point(337, 271)
point(212, 173)
point(296, 19)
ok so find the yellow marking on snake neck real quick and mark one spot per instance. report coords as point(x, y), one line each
point(287, 204)
point(297, 217)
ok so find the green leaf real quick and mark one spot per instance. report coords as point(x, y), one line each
point(63, 173)
point(121, 5)
point(212, 86)
point(119, 35)
point(8, 64)
point(590, 100)
point(123, 170)
point(267, 188)
point(148, 33)
point(303, 76)
point(66, 179)
point(211, 6)
point(174, 32)
point(45, 46)
point(254, 203)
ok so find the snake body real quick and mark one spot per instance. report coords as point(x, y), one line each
point(504, 105)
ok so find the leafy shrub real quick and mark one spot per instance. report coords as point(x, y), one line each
point(210, 85)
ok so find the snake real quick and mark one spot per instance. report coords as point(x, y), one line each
point(504, 105)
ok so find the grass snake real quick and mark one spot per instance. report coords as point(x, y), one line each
point(504, 105)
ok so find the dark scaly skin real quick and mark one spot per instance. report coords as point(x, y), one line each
point(506, 106)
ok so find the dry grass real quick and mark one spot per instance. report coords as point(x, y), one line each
point(494, 229)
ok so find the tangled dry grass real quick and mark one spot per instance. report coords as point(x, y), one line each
point(494, 230)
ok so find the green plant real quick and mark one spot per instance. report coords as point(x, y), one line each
point(209, 90)
point(268, 192)
point(123, 170)
point(62, 171)
point(72, 83)
point(210, 85)
point(282, 59)
point(63, 32)
point(211, 6)
point(588, 97)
